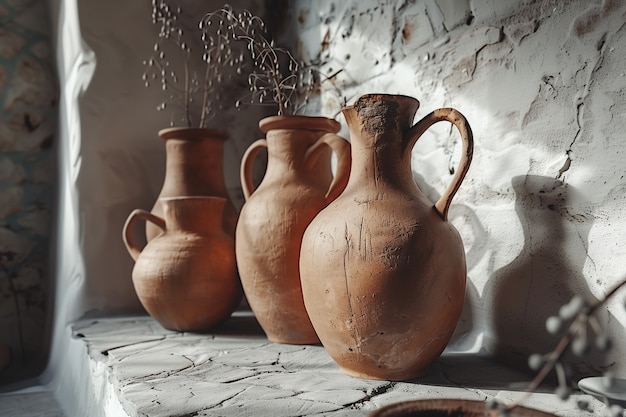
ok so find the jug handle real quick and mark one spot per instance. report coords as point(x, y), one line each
point(344, 161)
point(136, 214)
point(247, 162)
point(457, 119)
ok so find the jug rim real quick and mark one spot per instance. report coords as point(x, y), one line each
point(192, 133)
point(382, 96)
point(322, 123)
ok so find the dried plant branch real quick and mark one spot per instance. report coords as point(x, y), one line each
point(218, 57)
point(220, 52)
point(277, 77)
point(158, 66)
point(581, 315)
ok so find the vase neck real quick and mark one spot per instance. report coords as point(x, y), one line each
point(287, 148)
point(377, 125)
point(202, 215)
point(193, 164)
point(379, 162)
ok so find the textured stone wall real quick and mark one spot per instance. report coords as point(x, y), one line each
point(28, 99)
point(542, 210)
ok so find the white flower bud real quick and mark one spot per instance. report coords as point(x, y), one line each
point(554, 325)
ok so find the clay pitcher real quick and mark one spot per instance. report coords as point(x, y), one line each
point(383, 271)
point(186, 276)
point(194, 160)
point(297, 184)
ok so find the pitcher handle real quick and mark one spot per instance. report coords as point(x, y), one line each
point(344, 161)
point(136, 214)
point(247, 162)
point(457, 119)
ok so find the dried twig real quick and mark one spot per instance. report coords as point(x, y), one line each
point(277, 78)
point(580, 313)
point(218, 57)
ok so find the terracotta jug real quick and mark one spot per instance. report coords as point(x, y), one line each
point(297, 184)
point(194, 167)
point(186, 276)
point(383, 271)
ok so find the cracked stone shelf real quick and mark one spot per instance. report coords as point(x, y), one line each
point(236, 371)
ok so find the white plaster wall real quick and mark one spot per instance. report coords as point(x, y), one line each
point(542, 210)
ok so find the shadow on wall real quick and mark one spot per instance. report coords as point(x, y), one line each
point(465, 338)
point(545, 274)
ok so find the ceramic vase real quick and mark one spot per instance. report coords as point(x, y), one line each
point(194, 160)
point(297, 184)
point(383, 271)
point(186, 276)
point(452, 407)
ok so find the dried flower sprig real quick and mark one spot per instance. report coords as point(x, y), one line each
point(218, 55)
point(278, 79)
point(577, 323)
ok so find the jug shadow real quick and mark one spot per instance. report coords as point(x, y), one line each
point(519, 297)
point(545, 275)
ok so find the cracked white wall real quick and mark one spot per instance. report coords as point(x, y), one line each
point(542, 211)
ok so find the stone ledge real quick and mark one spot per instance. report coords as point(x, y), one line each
point(236, 371)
